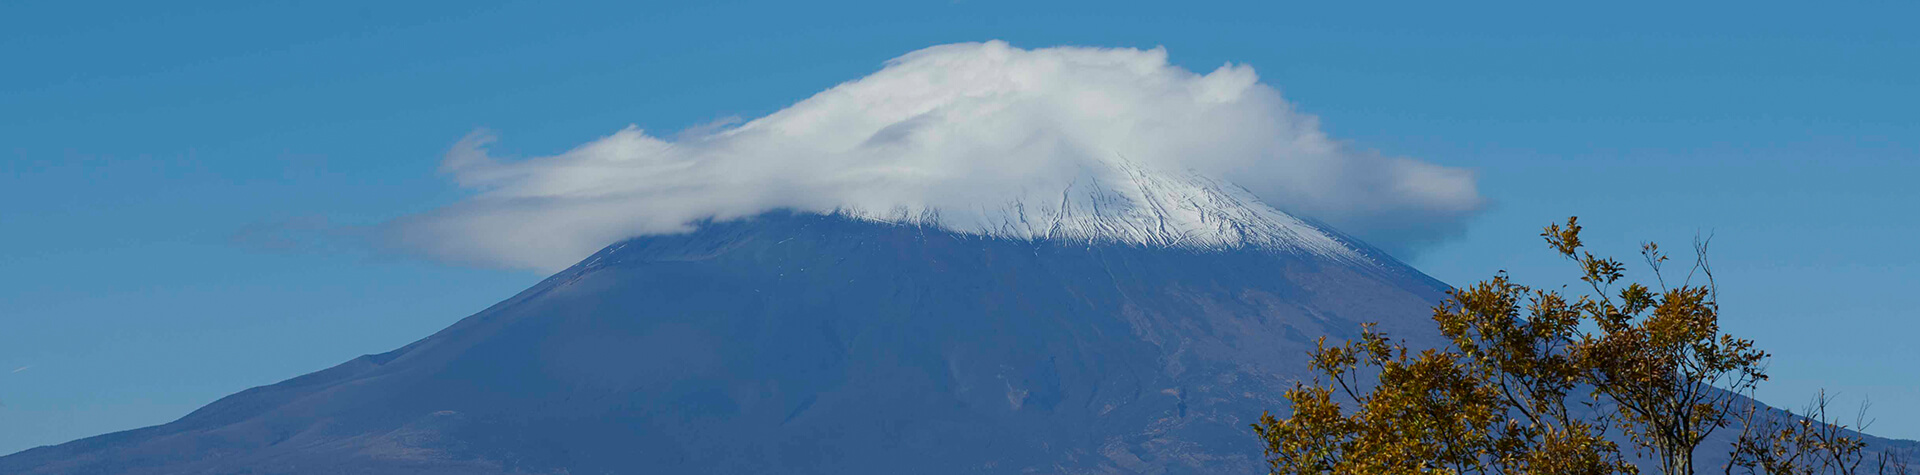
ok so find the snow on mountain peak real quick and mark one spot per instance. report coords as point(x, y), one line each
point(1121, 202)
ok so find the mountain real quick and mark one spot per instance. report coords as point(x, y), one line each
point(1134, 327)
point(802, 343)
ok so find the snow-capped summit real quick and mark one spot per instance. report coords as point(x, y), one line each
point(1122, 202)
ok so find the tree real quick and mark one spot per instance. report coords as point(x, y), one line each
point(1776, 442)
point(1659, 356)
point(1531, 382)
point(1435, 411)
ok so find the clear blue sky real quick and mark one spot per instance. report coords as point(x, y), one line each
point(142, 145)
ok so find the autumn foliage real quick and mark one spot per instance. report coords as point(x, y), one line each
point(1533, 381)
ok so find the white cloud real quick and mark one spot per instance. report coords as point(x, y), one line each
point(953, 127)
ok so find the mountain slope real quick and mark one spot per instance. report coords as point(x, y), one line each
point(816, 344)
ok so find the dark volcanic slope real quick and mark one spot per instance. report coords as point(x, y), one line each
point(813, 344)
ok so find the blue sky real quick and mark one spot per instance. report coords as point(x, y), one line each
point(143, 149)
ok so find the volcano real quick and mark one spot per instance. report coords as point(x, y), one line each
point(1133, 331)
